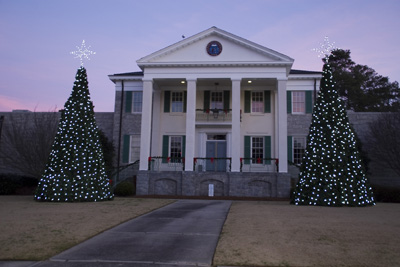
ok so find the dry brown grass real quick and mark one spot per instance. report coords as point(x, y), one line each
point(255, 233)
point(32, 230)
point(279, 234)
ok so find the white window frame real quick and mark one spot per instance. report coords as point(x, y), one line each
point(137, 104)
point(298, 101)
point(174, 95)
point(134, 147)
point(170, 152)
point(298, 140)
point(216, 95)
point(254, 159)
point(259, 109)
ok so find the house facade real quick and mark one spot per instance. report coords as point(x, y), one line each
point(209, 116)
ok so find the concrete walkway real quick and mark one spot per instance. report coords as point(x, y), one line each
point(184, 233)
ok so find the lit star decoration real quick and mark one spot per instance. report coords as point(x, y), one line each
point(83, 52)
point(331, 172)
point(325, 48)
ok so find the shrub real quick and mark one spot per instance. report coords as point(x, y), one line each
point(11, 184)
point(8, 186)
point(386, 194)
point(124, 189)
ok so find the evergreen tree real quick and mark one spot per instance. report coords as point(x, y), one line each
point(360, 87)
point(75, 169)
point(331, 173)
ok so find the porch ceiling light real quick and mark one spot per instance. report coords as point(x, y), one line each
point(249, 81)
point(183, 82)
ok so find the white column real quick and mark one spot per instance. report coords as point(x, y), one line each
point(155, 127)
point(190, 124)
point(282, 126)
point(236, 140)
point(145, 134)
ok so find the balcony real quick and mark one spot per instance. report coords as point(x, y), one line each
point(213, 116)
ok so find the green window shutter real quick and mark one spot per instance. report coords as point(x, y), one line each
point(267, 149)
point(247, 149)
point(247, 100)
point(128, 101)
point(167, 100)
point(267, 101)
point(183, 145)
point(227, 98)
point(309, 102)
point(206, 100)
point(184, 101)
point(289, 101)
point(125, 148)
point(290, 149)
point(165, 148)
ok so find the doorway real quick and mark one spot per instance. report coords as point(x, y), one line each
point(216, 152)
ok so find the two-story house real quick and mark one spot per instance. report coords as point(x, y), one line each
point(208, 115)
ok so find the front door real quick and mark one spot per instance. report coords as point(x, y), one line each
point(216, 153)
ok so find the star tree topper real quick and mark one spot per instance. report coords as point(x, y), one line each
point(325, 48)
point(83, 52)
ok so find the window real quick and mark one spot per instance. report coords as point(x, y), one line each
point(299, 102)
point(217, 100)
point(299, 146)
point(175, 148)
point(134, 148)
point(137, 102)
point(177, 102)
point(257, 149)
point(257, 102)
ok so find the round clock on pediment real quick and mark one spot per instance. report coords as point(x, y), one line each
point(214, 48)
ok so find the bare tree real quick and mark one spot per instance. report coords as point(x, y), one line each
point(27, 139)
point(384, 141)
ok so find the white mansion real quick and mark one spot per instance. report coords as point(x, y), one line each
point(209, 115)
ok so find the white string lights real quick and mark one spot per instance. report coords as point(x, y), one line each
point(331, 173)
point(75, 170)
point(83, 52)
point(325, 48)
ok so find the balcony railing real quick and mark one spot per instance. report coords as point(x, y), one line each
point(212, 164)
point(166, 164)
point(214, 115)
point(259, 165)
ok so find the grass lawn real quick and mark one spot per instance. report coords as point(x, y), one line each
point(279, 234)
point(261, 233)
point(33, 230)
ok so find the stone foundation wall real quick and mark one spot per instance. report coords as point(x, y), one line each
point(274, 185)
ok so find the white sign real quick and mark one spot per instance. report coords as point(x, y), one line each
point(210, 190)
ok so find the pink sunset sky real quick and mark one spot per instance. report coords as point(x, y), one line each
point(37, 70)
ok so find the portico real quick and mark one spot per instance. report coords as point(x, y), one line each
point(199, 120)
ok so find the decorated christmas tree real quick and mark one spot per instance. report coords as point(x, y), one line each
point(75, 169)
point(331, 173)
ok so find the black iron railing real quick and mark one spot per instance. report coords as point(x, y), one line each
point(212, 164)
point(166, 164)
point(259, 164)
point(122, 173)
point(214, 115)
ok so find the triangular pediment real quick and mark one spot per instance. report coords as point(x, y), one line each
point(215, 47)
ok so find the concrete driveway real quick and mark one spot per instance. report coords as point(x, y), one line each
point(184, 233)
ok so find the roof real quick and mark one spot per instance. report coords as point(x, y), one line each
point(292, 71)
point(136, 73)
point(166, 57)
